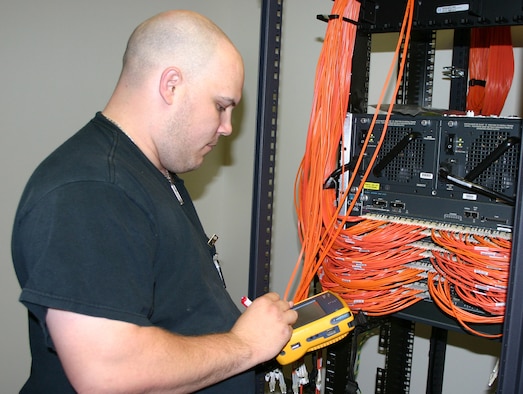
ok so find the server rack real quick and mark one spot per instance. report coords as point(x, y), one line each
point(381, 16)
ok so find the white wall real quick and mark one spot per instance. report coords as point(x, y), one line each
point(60, 60)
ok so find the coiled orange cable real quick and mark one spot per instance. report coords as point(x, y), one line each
point(491, 69)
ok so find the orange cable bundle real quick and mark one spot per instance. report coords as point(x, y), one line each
point(377, 302)
point(475, 269)
point(373, 275)
point(491, 69)
point(478, 61)
point(500, 70)
point(330, 102)
point(319, 224)
point(440, 292)
point(386, 237)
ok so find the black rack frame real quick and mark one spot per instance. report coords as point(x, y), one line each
point(264, 160)
point(264, 164)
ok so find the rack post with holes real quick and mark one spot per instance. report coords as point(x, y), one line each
point(266, 127)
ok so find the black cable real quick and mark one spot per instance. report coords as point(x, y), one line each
point(462, 182)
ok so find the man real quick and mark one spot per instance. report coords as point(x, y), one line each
point(115, 268)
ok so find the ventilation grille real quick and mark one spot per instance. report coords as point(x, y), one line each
point(502, 174)
point(406, 166)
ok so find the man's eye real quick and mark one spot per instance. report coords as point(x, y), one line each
point(220, 108)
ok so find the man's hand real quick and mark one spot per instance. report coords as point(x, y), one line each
point(266, 326)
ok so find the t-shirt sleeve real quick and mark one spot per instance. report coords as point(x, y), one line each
point(89, 248)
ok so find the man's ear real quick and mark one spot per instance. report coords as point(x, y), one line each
point(170, 79)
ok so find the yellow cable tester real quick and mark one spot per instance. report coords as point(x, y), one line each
point(322, 320)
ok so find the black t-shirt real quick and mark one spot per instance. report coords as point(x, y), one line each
point(100, 232)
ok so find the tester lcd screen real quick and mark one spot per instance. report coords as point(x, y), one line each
point(308, 313)
point(322, 319)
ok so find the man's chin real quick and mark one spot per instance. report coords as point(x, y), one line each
point(191, 166)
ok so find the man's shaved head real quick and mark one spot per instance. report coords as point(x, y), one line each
point(182, 38)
